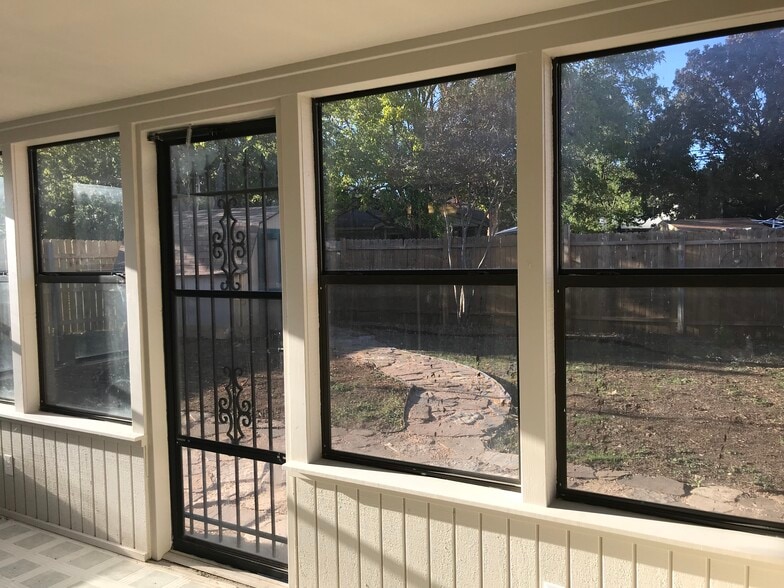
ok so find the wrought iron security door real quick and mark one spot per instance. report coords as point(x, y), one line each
point(220, 236)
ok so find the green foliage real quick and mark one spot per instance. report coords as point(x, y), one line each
point(606, 106)
point(64, 216)
point(424, 159)
point(226, 164)
point(708, 147)
point(716, 149)
point(600, 198)
point(98, 216)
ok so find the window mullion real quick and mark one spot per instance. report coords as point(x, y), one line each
point(21, 279)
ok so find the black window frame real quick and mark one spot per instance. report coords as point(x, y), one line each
point(50, 277)
point(411, 277)
point(565, 278)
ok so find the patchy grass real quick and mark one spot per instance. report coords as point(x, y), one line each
point(506, 438)
point(364, 398)
point(598, 458)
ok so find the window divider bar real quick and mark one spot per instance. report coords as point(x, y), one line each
point(81, 277)
point(423, 277)
point(686, 279)
point(243, 451)
point(232, 295)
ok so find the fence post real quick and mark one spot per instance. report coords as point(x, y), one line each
point(681, 328)
point(342, 254)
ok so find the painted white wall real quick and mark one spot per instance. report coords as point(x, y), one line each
point(352, 525)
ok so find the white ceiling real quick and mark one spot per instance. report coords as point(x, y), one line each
point(57, 54)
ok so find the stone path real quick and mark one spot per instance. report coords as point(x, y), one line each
point(661, 490)
point(450, 404)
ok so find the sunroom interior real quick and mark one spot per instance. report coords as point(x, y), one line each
point(433, 294)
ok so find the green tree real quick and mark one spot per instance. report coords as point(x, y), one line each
point(372, 148)
point(607, 104)
point(66, 215)
point(470, 158)
point(226, 164)
point(429, 161)
point(716, 149)
point(420, 156)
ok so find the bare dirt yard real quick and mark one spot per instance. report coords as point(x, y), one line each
point(702, 418)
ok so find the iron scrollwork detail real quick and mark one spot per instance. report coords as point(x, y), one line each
point(233, 411)
point(228, 245)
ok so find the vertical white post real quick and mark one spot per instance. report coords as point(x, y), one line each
point(535, 277)
point(133, 280)
point(21, 278)
point(145, 328)
point(300, 279)
point(296, 185)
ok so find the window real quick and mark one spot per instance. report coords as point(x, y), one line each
point(80, 278)
point(669, 289)
point(6, 366)
point(418, 222)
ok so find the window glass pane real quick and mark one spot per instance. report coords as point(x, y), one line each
point(83, 336)
point(421, 178)
point(671, 157)
point(79, 206)
point(226, 221)
point(6, 367)
point(675, 396)
point(84, 347)
point(426, 375)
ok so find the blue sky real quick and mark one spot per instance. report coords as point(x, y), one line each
point(675, 58)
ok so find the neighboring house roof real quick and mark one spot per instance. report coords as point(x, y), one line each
point(711, 224)
point(360, 220)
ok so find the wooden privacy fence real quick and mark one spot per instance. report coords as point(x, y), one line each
point(729, 314)
point(749, 248)
point(387, 254)
point(79, 308)
point(414, 308)
point(76, 255)
point(76, 308)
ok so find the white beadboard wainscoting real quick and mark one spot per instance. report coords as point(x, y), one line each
point(87, 486)
point(352, 536)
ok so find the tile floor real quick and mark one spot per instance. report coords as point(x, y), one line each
point(33, 558)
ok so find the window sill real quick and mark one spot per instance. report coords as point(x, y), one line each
point(761, 548)
point(111, 430)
